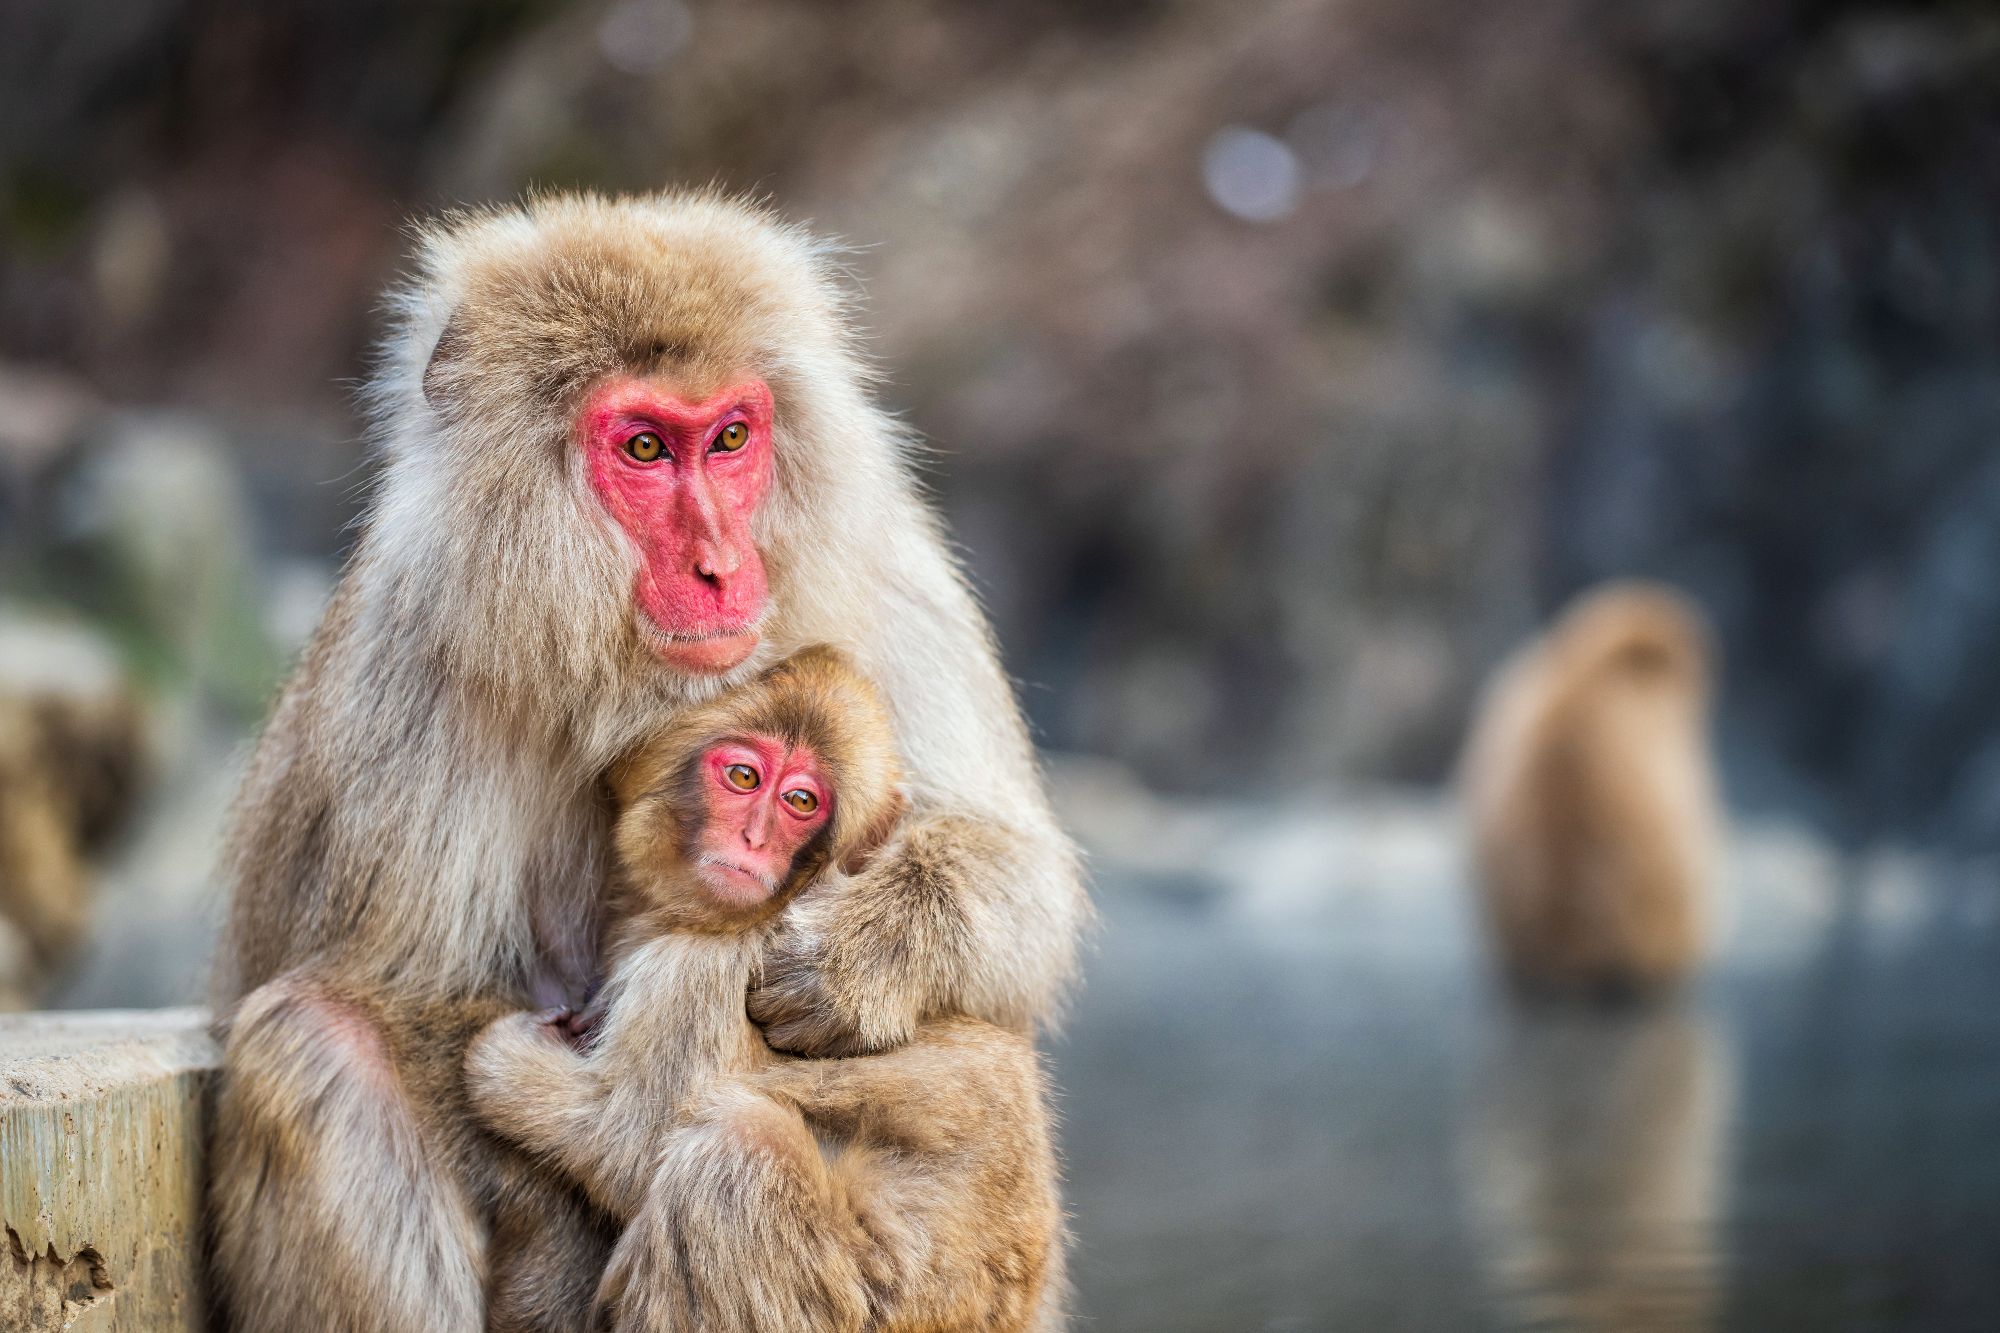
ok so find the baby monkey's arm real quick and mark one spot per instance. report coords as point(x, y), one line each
point(597, 1114)
point(530, 1084)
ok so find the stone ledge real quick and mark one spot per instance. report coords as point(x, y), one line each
point(101, 1146)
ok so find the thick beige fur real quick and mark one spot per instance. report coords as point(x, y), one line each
point(70, 768)
point(910, 1190)
point(1591, 791)
point(422, 831)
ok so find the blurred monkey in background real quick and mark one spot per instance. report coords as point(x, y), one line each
point(72, 763)
point(1591, 792)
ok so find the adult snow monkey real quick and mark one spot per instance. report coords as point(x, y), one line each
point(629, 460)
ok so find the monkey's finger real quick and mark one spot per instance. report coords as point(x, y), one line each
point(786, 990)
point(800, 1017)
point(769, 1005)
point(814, 1035)
point(782, 1005)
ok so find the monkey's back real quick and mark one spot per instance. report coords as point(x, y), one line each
point(1591, 795)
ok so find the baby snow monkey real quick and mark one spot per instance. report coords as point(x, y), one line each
point(914, 1189)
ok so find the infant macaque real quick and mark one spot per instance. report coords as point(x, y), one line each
point(914, 1189)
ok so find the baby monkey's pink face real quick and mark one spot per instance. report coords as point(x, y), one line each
point(766, 799)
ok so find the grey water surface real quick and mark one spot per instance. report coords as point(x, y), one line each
point(1295, 1100)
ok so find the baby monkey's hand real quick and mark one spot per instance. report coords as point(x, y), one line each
point(575, 1028)
point(860, 960)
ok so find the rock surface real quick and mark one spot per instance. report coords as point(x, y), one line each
point(101, 1147)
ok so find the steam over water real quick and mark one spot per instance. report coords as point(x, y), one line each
point(1295, 1099)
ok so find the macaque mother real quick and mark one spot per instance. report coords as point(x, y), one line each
point(628, 460)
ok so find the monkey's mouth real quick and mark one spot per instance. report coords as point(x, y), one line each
point(733, 883)
point(709, 652)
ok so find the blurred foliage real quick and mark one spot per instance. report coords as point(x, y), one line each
point(1287, 361)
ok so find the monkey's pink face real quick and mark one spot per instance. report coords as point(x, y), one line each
point(766, 800)
point(684, 481)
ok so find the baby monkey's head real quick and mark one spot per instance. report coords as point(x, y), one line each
point(726, 814)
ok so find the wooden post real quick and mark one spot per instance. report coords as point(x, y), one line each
point(102, 1135)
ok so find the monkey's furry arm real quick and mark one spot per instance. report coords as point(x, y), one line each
point(668, 1028)
point(976, 906)
point(530, 1087)
point(942, 922)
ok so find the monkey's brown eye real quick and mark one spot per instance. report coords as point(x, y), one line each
point(645, 446)
point(741, 776)
point(734, 436)
point(802, 801)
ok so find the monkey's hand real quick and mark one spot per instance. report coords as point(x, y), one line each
point(861, 959)
point(811, 997)
point(526, 1080)
point(577, 1027)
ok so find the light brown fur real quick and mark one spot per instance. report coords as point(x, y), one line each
point(421, 831)
point(70, 767)
point(909, 1190)
point(1591, 792)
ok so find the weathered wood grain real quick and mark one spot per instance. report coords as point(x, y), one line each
point(101, 1147)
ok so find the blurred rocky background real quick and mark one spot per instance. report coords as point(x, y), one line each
point(1285, 361)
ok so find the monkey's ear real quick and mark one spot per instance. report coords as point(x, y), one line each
point(438, 372)
point(878, 832)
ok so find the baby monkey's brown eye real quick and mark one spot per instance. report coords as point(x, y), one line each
point(734, 436)
point(801, 800)
point(645, 446)
point(741, 776)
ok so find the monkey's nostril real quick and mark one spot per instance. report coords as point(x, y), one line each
point(714, 565)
